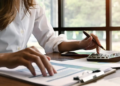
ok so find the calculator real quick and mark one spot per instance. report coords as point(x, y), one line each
point(106, 56)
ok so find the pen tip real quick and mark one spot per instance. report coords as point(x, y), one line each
point(103, 48)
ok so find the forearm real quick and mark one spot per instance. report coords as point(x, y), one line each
point(69, 46)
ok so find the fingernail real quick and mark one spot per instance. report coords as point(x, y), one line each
point(90, 37)
point(51, 73)
point(44, 74)
point(55, 71)
point(34, 73)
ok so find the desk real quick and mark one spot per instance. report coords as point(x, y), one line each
point(6, 81)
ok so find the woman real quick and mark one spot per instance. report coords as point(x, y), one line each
point(18, 20)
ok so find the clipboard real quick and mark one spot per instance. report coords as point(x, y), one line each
point(94, 77)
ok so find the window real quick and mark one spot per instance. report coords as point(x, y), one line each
point(100, 17)
point(84, 13)
point(116, 40)
point(116, 24)
point(115, 13)
point(51, 9)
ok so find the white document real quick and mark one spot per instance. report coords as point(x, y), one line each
point(115, 80)
point(64, 77)
point(103, 83)
point(90, 64)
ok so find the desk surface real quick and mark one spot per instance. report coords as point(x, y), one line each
point(6, 81)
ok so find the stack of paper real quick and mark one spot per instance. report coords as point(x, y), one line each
point(64, 77)
point(65, 74)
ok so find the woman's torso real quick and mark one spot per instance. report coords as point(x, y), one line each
point(15, 36)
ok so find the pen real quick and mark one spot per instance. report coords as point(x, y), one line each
point(93, 40)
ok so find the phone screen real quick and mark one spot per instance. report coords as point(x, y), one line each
point(76, 53)
point(84, 52)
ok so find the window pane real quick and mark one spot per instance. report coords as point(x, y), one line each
point(115, 12)
point(84, 13)
point(78, 35)
point(51, 9)
point(116, 40)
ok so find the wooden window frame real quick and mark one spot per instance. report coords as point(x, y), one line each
point(108, 28)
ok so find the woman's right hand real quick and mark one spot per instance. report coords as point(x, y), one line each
point(26, 57)
point(88, 44)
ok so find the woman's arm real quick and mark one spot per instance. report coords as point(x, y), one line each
point(2, 60)
point(26, 57)
point(86, 44)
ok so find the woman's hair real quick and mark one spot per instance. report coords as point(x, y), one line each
point(8, 11)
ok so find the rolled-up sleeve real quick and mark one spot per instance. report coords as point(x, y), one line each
point(45, 34)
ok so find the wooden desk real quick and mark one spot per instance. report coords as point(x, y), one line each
point(6, 81)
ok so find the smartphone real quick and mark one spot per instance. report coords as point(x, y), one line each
point(82, 54)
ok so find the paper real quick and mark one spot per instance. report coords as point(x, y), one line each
point(103, 83)
point(64, 77)
point(65, 74)
point(109, 52)
point(85, 63)
point(115, 80)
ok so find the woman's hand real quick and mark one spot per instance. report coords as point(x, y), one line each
point(88, 44)
point(26, 57)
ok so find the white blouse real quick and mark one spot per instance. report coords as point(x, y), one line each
point(15, 36)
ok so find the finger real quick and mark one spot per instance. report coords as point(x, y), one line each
point(38, 61)
point(28, 65)
point(90, 47)
point(89, 39)
point(35, 49)
point(96, 38)
point(44, 60)
point(48, 66)
point(54, 70)
point(98, 50)
point(48, 58)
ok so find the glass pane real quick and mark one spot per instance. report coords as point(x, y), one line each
point(116, 40)
point(84, 13)
point(51, 9)
point(115, 12)
point(78, 35)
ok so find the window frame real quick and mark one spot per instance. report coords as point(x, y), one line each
point(108, 28)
